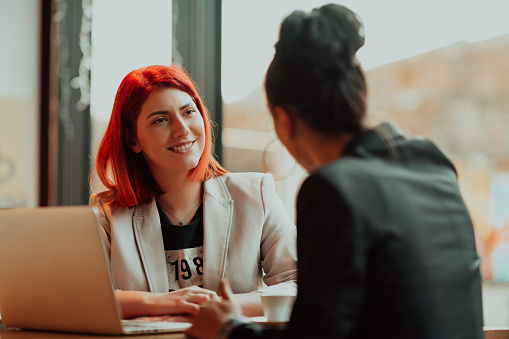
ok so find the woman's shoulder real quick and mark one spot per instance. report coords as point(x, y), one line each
point(103, 202)
point(100, 199)
point(107, 212)
point(248, 181)
point(242, 185)
point(243, 177)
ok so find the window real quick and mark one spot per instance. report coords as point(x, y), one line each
point(126, 35)
point(438, 68)
point(19, 103)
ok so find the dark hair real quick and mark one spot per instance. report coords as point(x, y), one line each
point(315, 74)
point(126, 174)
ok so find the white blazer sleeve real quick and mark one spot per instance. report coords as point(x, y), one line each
point(99, 209)
point(278, 243)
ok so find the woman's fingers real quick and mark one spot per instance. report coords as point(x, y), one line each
point(198, 298)
point(187, 300)
point(195, 290)
point(184, 306)
point(215, 298)
point(210, 318)
point(225, 291)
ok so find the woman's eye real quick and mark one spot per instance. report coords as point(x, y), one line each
point(189, 111)
point(159, 120)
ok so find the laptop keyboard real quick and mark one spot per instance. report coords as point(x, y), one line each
point(154, 326)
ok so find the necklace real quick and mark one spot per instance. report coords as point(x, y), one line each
point(182, 221)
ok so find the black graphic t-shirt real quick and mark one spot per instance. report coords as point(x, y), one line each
point(183, 246)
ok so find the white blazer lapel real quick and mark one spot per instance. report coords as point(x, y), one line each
point(217, 223)
point(147, 232)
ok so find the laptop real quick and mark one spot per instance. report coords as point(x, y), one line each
point(54, 275)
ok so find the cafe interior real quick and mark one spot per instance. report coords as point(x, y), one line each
point(438, 68)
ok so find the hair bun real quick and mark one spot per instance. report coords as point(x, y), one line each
point(315, 74)
point(325, 40)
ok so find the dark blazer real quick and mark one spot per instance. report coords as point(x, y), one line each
point(385, 247)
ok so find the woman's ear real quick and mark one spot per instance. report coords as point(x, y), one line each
point(283, 123)
point(133, 145)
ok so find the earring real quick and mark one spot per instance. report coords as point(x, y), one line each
point(281, 157)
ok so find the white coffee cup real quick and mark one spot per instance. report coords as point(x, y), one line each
point(277, 308)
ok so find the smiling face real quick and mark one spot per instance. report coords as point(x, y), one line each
point(169, 132)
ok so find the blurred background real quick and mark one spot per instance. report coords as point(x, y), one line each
point(437, 68)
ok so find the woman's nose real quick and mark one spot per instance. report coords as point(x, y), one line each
point(179, 128)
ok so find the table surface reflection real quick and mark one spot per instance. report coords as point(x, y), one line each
point(6, 333)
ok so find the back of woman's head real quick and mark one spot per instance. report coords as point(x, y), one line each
point(125, 173)
point(315, 74)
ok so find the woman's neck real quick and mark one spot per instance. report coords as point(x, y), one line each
point(316, 150)
point(181, 198)
point(326, 151)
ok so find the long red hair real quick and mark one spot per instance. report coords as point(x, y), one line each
point(126, 174)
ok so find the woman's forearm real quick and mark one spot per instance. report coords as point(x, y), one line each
point(184, 301)
point(136, 303)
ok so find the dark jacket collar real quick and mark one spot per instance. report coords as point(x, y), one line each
point(380, 141)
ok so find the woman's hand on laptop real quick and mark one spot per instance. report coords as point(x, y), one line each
point(184, 301)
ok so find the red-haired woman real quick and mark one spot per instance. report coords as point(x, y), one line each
point(176, 223)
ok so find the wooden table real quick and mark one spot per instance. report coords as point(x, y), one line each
point(496, 333)
point(489, 333)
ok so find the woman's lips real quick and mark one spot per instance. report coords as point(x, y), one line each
point(182, 147)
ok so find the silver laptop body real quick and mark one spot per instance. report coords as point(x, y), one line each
point(54, 274)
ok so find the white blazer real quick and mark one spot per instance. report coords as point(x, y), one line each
point(246, 229)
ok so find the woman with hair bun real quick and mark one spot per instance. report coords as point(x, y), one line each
point(385, 242)
point(174, 221)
